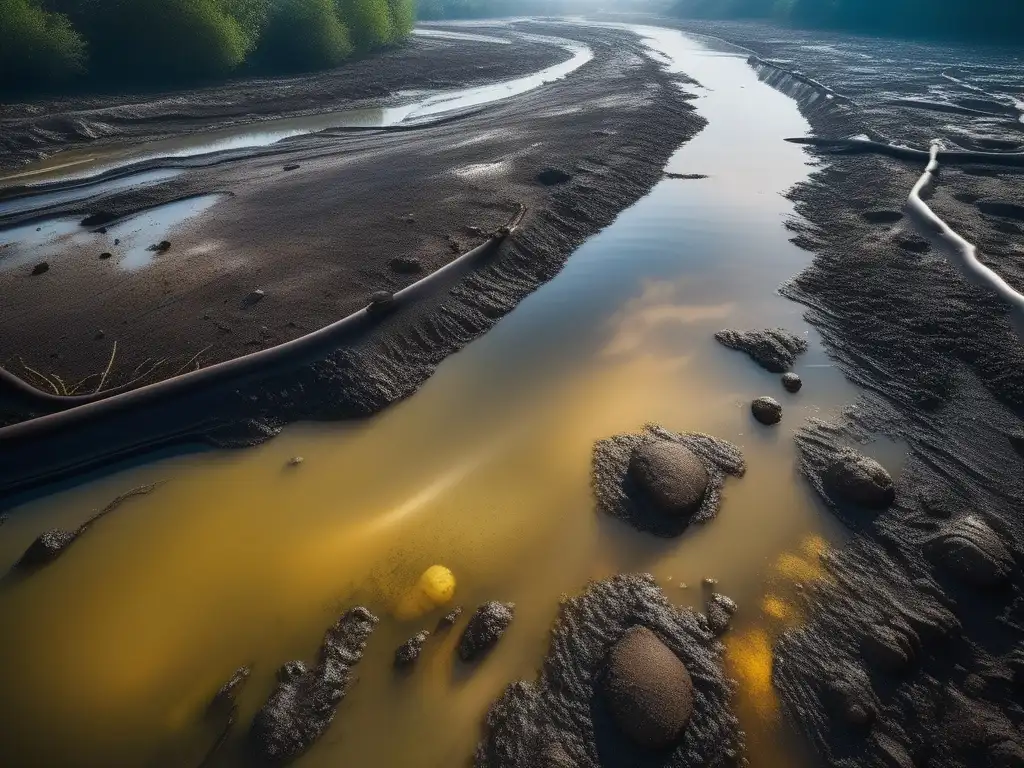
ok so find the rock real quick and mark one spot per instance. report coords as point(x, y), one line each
point(647, 689)
point(46, 548)
point(380, 302)
point(292, 167)
point(970, 550)
point(117, 241)
point(161, 247)
point(687, 176)
point(719, 612)
point(101, 231)
point(766, 410)
point(791, 382)
point(708, 581)
point(406, 265)
point(228, 691)
point(409, 651)
point(860, 479)
point(448, 620)
point(304, 702)
point(41, 267)
point(486, 626)
point(774, 349)
point(106, 255)
point(552, 176)
point(253, 297)
point(672, 477)
point(294, 461)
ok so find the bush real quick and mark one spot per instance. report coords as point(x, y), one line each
point(37, 48)
point(252, 17)
point(163, 40)
point(369, 21)
point(303, 34)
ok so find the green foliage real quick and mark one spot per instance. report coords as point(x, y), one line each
point(403, 17)
point(252, 17)
point(163, 40)
point(303, 34)
point(369, 22)
point(37, 48)
point(993, 20)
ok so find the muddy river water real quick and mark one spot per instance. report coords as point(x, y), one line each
point(109, 656)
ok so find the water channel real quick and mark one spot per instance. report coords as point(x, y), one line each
point(110, 655)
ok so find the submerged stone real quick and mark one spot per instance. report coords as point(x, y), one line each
point(410, 650)
point(719, 611)
point(860, 479)
point(46, 548)
point(671, 476)
point(486, 626)
point(791, 382)
point(40, 268)
point(647, 688)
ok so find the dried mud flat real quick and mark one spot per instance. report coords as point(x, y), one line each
point(913, 656)
point(319, 240)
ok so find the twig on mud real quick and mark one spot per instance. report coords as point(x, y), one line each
point(110, 364)
point(39, 375)
point(141, 490)
point(191, 360)
point(78, 385)
point(63, 386)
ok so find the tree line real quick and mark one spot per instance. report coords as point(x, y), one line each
point(982, 20)
point(54, 43)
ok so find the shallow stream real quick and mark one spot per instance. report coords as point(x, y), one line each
point(110, 655)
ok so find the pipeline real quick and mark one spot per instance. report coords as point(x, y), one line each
point(963, 253)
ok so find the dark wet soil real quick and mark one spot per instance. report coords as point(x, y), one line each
point(33, 129)
point(909, 657)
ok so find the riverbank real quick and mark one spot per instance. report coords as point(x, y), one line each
point(918, 627)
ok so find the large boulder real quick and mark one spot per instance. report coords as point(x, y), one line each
point(860, 479)
point(766, 410)
point(486, 626)
point(970, 550)
point(672, 476)
point(303, 704)
point(647, 689)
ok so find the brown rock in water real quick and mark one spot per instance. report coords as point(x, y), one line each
point(719, 611)
point(791, 382)
point(41, 267)
point(409, 651)
point(45, 548)
point(860, 479)
point(486, 626)
point(672, 477)
point(774, 349)
point(448, 620)
point(647, 689)
point(970, 550)
point(766, 410)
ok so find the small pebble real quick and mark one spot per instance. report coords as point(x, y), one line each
point(117, 241)
point(294, 461)
point(292, 167)
point(683, 585)
point(41, 267)
point(710, 582)
point(106, 255)
point(791, 382)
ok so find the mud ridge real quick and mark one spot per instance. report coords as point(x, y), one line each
point(562, 718)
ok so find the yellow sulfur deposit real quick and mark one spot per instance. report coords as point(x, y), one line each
point(436, 586)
